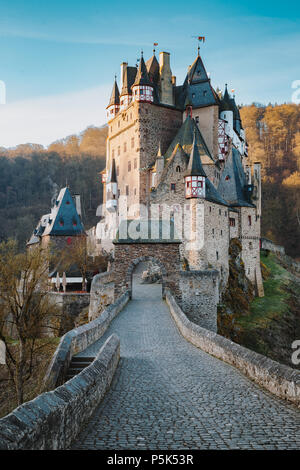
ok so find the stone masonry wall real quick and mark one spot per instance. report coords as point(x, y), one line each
point(53, 419)
point(276, 378)
point(200, 297)
point(102, 294)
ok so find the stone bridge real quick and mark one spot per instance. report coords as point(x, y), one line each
point(169, 394)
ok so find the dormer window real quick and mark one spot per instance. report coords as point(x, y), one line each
point(61, 222)
point(178, 169)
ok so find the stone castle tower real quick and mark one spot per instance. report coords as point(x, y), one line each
point(181, 148)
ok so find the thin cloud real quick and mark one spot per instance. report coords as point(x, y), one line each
point(46, 119)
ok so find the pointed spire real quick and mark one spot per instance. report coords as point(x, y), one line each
point(115, 95)
point(112, 177)
point(226, 94)
point(226, 104)
point(195, 167)
point(142, 77)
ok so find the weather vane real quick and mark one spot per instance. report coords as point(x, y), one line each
point(200, 39)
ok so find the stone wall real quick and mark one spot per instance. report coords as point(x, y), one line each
point(128, 255)
point(277, 378)
point(77, 340)
point(70, 306)
point(267, 244)
point(200, 297)
point(102, 294)
point(53, 420)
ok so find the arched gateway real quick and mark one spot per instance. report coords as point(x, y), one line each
point(130, 251)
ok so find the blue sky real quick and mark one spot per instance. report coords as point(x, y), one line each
point(58, 58)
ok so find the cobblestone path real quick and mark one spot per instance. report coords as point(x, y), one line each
point(167, 394)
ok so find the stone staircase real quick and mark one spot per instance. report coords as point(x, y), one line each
point(77, 365)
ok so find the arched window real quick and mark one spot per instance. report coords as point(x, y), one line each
point(178, 169)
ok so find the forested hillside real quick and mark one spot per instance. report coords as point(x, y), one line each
point(29, 175)
point(273, 134)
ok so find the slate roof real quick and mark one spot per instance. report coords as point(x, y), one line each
point(39, 230)
point(233, 182)
point(152, 231)
point(64, 219)
point(153, 69)
point(226, 104)
point(212, 194)
point(128, 80)
point(195, 167)
point(115, 95)
point(142, 77)
point(197, 85)
point(185, 137)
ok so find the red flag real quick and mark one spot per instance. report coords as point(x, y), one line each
point(201, 38)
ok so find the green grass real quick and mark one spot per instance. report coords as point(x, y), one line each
point(275, 302)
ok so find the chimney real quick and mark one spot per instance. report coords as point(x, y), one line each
point(123, 68)
point(166, 86)
point(164, 59)
point(78, 204)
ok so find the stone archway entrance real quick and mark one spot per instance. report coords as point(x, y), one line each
point(147, 280)
point(129, 255)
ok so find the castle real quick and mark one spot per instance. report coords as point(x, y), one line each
point(181, 149)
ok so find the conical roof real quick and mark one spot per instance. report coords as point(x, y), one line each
point(226, 104)
point(142, 77)
point(128, 80)
point(195, 167)
point(115, 95)
point(153, 69)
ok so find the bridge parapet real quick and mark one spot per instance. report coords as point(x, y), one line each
point(278, 379)
point(54, 419)
point(77, 340)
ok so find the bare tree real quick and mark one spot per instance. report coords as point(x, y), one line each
point(25, 307)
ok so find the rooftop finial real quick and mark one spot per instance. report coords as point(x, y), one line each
point(154, 45)
point(142, 52)
point(199, 39)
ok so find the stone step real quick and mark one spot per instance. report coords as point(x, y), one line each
point(77, 365)
point(82, 359)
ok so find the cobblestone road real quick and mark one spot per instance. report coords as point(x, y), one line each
point(167, 394)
